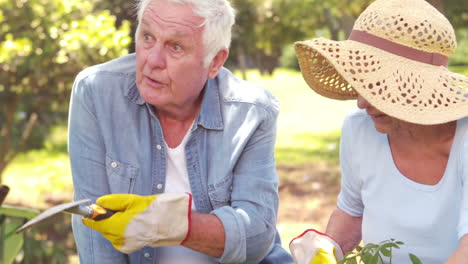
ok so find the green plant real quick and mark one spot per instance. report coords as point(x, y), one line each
point(375, 253)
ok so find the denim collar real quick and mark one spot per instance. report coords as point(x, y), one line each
point(210, 112)
point(133, 94)
point(210, 116)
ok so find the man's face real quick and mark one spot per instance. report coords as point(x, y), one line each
point(169, 56)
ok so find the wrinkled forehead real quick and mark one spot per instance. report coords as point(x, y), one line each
point(165, 13)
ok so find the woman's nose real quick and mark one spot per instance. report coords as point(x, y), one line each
point(362, 103)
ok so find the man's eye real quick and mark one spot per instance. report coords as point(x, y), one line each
point(147, 37)
point(176, 47)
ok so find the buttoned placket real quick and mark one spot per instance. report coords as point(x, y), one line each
point(158, 154)
point(196, 178)
point(148, 255)
point(158, 161)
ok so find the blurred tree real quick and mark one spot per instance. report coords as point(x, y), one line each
point(124, 12)
point(43, 45)
point(457, 13)
point(264, 27)
point(439, 4)
point(341, 14)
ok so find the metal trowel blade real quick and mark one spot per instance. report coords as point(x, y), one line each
point(72, 207)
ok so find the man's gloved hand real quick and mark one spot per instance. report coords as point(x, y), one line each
point(313, 247)
point(139, 221)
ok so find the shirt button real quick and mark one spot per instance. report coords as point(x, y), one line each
point(158, 147)
point(114, 164)
point(159, 186)
point(147, 255)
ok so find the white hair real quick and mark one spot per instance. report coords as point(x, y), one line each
point(218, 17)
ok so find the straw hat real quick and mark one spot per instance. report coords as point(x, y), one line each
point(396, 58)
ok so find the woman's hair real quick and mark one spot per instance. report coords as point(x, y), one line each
point(218, 18)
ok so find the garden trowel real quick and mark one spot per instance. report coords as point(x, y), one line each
point(92, 211)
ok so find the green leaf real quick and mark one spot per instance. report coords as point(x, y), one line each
point(14, 211)
point(386, 252)
point(366, 258)
point(374, 259)
point(414, 259)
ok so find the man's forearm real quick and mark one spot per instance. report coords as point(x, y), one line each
point(345, 229)
point(206, 234)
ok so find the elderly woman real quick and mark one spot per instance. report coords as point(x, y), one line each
point(404, 154)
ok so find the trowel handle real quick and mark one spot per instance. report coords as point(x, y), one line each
point(3, 192)
point(99, 213)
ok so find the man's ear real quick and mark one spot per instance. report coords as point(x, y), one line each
point(217, 63)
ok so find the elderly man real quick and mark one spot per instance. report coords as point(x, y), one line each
point(177, 146)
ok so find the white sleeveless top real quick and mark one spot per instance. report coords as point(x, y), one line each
point(429, 219)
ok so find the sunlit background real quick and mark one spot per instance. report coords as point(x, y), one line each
point(45, 43)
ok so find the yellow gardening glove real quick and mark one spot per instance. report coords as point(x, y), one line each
point(313, 247)
point(139, 221)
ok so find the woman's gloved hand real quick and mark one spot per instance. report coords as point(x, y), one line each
point(139, 221)
point(313, 247)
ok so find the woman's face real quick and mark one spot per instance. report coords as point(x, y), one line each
point(382, 122)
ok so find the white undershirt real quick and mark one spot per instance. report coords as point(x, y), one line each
point(177, 181)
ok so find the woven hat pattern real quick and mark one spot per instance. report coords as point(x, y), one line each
point(406, 89)
point(413, 24)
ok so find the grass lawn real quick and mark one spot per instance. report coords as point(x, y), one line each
point(308, 124)
point(460, 69)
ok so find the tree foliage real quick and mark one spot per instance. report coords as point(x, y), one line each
point(265, 27)
point(43, 45)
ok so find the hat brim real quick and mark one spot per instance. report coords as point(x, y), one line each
point(402, 88)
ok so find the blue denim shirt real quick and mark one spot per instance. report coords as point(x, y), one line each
point(116, 145)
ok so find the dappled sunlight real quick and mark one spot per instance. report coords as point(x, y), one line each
point(38, 177)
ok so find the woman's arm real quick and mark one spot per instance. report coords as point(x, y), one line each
point(345, 229)
point(461, 254)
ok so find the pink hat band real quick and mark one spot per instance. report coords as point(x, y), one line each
point(431, 58)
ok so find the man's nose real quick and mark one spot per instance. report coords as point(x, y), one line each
point(157, 57)
point(362, 103)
